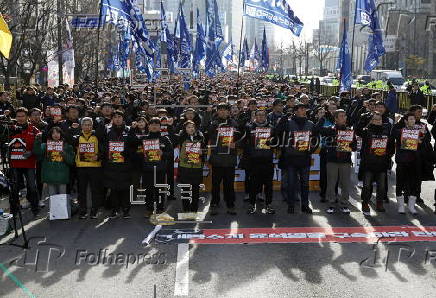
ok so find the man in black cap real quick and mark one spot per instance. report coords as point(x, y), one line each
point(298, 141)
point(222, 136)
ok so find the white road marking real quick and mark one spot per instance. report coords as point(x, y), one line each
point(181, 287)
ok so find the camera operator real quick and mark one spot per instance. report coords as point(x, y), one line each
point(22, 160)
point(6, 108)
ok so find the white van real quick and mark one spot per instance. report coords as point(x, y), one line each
point(393, 76)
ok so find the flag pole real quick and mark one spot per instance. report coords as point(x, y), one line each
point(240, 49)
point(98, 41)
point(352, 39)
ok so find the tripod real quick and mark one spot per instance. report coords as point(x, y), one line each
point(14, 202)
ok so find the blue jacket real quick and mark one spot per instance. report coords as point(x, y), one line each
point(391, 101)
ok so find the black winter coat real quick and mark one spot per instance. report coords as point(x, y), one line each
point(378, 146)
point(117, 150)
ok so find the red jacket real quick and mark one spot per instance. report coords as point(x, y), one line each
point(22, 139)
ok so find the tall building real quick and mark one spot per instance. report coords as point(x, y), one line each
point(254, 31)
point(329, 25)
point(411, 43)
point(326, 37)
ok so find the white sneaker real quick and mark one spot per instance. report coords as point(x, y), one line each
point(345, 210)
point(330, 210)
point(400, 203)
point(411, 204)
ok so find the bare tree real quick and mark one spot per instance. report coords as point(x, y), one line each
point(322, 50)
point(30, 24)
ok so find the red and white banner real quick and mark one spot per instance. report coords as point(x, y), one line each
point(299, 235)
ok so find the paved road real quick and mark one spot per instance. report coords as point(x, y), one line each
point(261, 270)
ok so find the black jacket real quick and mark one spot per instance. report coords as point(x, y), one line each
point(402, 155)
point(295, 152)
point(117, 151)
point(150, 158)
point(221, 154)
point(30, 101)
point(257, 141)
point(378, 146)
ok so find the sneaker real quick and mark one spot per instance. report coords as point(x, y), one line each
point(231, 211)
point(252, 209)
point(93, 214)
point(114, 214)
point(291, 209)
point(41, 204)
point(83, 215)
point(213, 210)
point(345, 210)
point(330, 210)
point(269, 210)
point(126, 215)
point(306, 209)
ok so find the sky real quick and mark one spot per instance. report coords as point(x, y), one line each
point(309, 12)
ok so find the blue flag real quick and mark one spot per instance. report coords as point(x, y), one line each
point(228, 52)
point(113, 61)
point(125, 13)
point(277, 12)
point(265, 52)
point(168, 39)
point(344, 64)
point(163, 23)
point(200, 45)
point(124, 48)
point(185, 43)
point(363, 12)
point(214, 39)
point(144, 63)
point(246, 50)
point(157, 59)
point(366, 14)
point(243, 54)
point(170, 52)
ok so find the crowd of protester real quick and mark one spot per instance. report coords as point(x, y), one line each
point(112, 136)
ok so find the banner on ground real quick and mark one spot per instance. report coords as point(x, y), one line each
point(299, 235)
point(240, 173)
